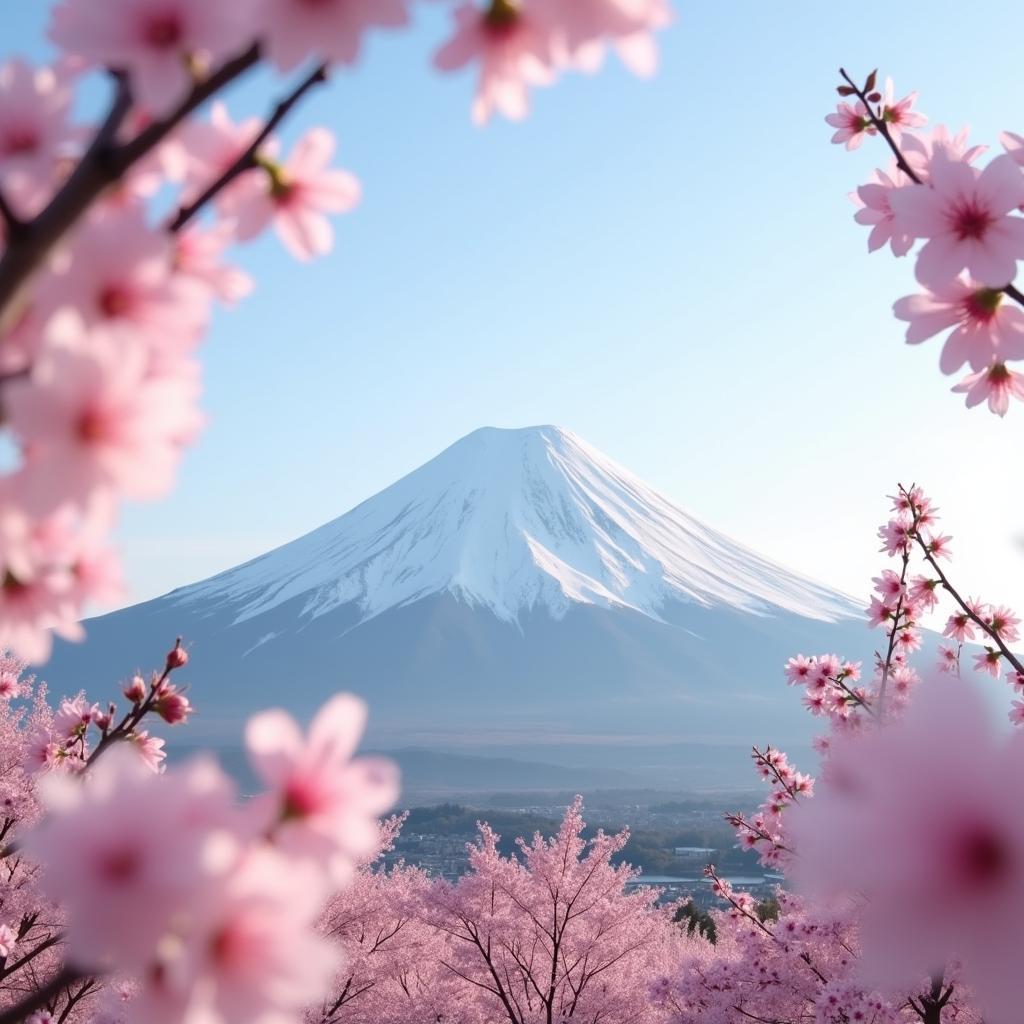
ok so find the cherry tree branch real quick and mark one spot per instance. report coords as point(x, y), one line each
point(883, 129)
point(17, 1013)
point(901, 161)
point(104, 163)
point(12, 223)
point(248, 160)
point(897, 612)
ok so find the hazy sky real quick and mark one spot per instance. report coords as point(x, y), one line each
point(669, 268)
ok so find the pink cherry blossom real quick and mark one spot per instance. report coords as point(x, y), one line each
point(900, 115)
point(155, 41)
point(72, 717)
point(949, 659)
point(300, 192)
point(327, 30)
point(135, 690)
point(8, 940)
point(254, 954)
point(198, 255)
point(895, 536)
point(150, 749)
point(1002, 621)
point(35, 111)
point(33, 606)
point(799, 670)
point(94, 419)
point(172, 705)
point(996, 384)
point(116, 282)
point(322, 804)
point(876, 211)
point(918, 818)
point(129, 853)
point(1014, 145)
point(585, 29)
point(921, 150)
point(987, 328)
point(1016, 713)
point(852, 124)
point(213, 146)
point(988, 661)
point(515, 45)
point(967, 218)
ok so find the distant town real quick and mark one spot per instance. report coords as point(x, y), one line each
point(671, 842)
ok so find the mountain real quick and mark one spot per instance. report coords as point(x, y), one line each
point(520, 594)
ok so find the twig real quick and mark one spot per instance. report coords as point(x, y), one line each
point(901, 161)
point(19, 1011)
point(247, 160)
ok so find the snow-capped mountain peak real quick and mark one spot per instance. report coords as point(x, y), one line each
point(517, 520)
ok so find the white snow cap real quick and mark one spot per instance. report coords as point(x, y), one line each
point(514, 520)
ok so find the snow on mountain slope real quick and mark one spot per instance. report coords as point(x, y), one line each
point(516, 521)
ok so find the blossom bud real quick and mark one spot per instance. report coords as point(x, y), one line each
point(172, 705)
point(177, 656)
point(135, 690)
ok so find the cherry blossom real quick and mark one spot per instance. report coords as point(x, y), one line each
point(94, 419)
point(920, 825)
point(987, 327)
point(899, 115)
point(322, 803)
point(155, 41)
point(852, 124)
point(211, 147)
point(996, 384)
point(516, 48)
point(876, 211)
point(584, 29)
point(126, 839)
point(252, 956)
point(966, 216)
point(35, 129)
point(330, 30)
point(299, 193)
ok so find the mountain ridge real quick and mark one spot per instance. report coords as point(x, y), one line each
point(519, 586)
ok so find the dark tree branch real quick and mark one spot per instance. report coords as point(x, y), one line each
point(19, 1011)
point(104, 163)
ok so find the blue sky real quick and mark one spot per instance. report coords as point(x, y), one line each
point(669, 268)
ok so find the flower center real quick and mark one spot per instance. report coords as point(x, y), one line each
point(120, 865)
point(18, 141)
point(163, 31)
point(983, 304)
point(114, 301)
point(93, 426)
point(970, 221)
point(301, 800)
point(502, 16)
point(982, 857)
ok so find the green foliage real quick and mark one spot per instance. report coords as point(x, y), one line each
point(694, 920)
point(768, 910)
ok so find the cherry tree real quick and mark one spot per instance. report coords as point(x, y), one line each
point(908, 852)
point(554, 935)
point(390, 957)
